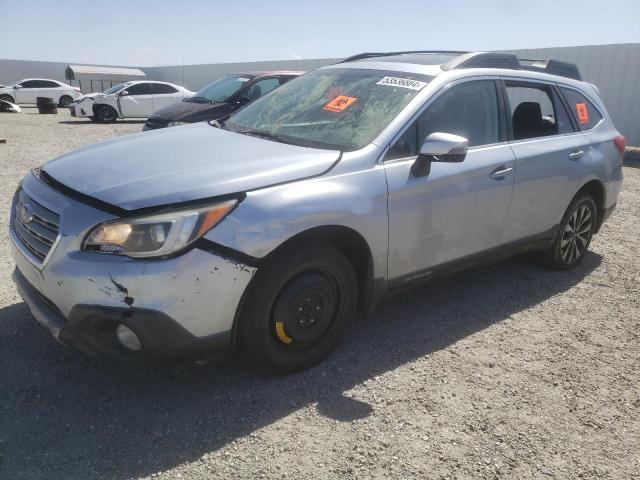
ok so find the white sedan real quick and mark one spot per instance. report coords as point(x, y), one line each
point(128, 100)
point(27, 90)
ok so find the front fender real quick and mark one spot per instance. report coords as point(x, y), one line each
point(269, 217)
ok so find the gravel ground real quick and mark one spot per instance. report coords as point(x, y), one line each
point(509, 371)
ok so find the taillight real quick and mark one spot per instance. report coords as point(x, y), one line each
point(620, 142)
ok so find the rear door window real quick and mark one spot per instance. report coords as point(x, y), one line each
point(48, 84)
point(536, 111)
point(586, 114)
point(161, 88)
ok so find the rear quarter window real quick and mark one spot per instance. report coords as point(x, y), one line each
point(586, 114)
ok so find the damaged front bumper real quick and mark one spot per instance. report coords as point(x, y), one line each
point(177, 307)
point(91, 329)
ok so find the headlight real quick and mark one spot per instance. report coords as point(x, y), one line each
point(156, 235)
point(175, 124)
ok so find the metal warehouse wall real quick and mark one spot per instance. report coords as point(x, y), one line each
point(194, 77)
point(615, 69)
point(14, 70)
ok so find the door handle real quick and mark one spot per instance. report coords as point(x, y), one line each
point(576, 155)
point(501, 173)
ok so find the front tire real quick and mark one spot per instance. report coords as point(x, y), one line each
point(299, 307)
point(574, 236)
point(105, 114)
point(7, 98)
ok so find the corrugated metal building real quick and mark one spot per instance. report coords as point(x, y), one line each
point(99, 79)
point(615, 69)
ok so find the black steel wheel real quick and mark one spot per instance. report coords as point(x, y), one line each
point(105, 114)
point(65, 101)
point(298, 307)
point(305, 309)
point(7, 98)
point(574, 236)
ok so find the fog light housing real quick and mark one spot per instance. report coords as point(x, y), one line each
point(127, 338)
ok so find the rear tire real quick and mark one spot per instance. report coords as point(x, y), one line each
point(64, 101)
point(7, 98)
point(574, 235)
point(105, 114)
point(299, 307)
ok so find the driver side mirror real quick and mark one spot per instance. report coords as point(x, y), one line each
point(439, 147)
point(242, 101)
point(124, 93)
point(16, 87)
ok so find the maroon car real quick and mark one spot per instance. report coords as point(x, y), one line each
point(220, 98)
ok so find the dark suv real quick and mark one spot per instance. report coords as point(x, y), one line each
point(219, 99)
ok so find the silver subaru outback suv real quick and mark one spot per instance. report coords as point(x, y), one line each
point(270, 230)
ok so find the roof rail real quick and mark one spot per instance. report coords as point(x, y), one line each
point(486, 60)
point(511, 61)
point(361, 56)
point(554, 67)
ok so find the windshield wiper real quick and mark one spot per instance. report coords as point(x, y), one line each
point(198, 100)
point(265, 135)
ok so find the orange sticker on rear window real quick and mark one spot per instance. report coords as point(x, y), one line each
point(340, 103)
point(583, 113)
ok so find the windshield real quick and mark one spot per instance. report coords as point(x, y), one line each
point(330, 108)
point(222, 90)
point(115, 88)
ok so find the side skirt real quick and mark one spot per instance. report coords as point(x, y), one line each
point(537, 242)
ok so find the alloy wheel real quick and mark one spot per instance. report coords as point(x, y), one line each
point(65, 101)
point(106, 114)
point(576, 235)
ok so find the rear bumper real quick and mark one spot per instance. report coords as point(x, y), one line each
point(91, 329)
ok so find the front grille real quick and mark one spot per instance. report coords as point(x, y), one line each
point(35, 226)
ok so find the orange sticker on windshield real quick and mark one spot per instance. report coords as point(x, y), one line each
point(340, 103)
point(583, 113)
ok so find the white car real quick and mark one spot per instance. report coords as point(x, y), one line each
point(128, 100)
point(27, 90)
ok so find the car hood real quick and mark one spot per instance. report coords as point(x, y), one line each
point(183, 164)
point(89, 95)
point(191, 112)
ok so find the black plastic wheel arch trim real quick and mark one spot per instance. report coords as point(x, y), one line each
point(227, 252)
